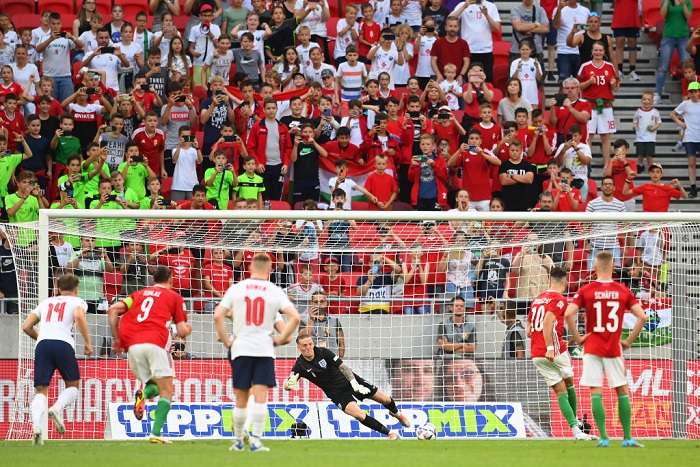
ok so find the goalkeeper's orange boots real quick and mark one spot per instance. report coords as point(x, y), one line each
point(401, 418)
point(139, 405)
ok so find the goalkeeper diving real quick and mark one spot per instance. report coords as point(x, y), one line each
point(327, 371)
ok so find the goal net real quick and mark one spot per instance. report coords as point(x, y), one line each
point(389, 309)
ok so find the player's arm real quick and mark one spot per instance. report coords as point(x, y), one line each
point(220, 314)
point(81, 324)
point(184, 329)
point(547, 330)
point(114, 312)
point(293, 321)
point(638, 313)
point(350, 376)
point(570, 317)
point(28, 326)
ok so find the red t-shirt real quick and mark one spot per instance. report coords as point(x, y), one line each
point(14, 125)
point(220, 276)
point(147, 100)
point(414, 289)
point(489, 136)
point(248, 257)
point(150, 311)
point(539, 157)
point(475, 175)
point(450, 52)
point(473, 109)
point(565, 119)
point(552, 302)
point(150, 146)
point(606, 303)
point(13, 88)
point(564, 200)
point(656, 198)
point(619, 176)
point(336, 287)
point(381, 186)
point(55, 110)
point(368, 33)
point(603, 73)
point(181, 266)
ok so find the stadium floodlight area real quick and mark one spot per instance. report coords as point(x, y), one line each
point(418, 261)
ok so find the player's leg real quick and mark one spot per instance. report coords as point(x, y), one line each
point(592, 377)
point(66, 398)
point(44, 368)
point(617, 378)
point(571, 393)
point(388, 402)
point(67, 366)
point(165, 390)
point(38, 407)
point(354, 410)
point(242, 376)
point(263, 378)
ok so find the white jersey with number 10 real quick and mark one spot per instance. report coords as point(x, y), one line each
point(57, 318)
point(255, 303)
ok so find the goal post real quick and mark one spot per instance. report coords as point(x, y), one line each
point(390, 280)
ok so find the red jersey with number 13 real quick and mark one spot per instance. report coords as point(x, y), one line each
point(601, 88)
point(606, 303)
point(148, 319)
point(549, 301)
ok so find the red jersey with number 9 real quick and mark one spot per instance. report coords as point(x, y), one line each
point(149, 314)
point(606, 303)
point(553, 302)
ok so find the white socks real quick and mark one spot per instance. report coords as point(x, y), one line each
point(66, 398)
point(38, 407)
point(239, 417)
point(258, 414)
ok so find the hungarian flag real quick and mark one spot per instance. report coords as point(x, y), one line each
point(657, 330)
point(358, 173)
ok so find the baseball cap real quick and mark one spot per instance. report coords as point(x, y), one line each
point(694, 86)
point(657, 166)
point(326, 72)
point(332, 259)
point(444, 108)
point(206, 7)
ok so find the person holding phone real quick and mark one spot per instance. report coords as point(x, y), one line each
point(569, 110)
point(385, 54)
point(215, 111)
point(591, 34)
point(568, 14)
point(56, 49)
point(476, 163)
point(186, 158)
point(575, 154)
point(304, 156)
point(111, 137)
point(427, 175)
point(178, 112)
point(108, 59)
point(478, 20)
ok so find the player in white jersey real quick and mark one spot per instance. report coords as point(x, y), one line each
point(253, 305)
point(55, 350)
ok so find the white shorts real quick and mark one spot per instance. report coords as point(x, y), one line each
point(148, 361)
point(594, 367)
point(481, 206)
point(602, 123)
point(555, 371)
point(630, 204)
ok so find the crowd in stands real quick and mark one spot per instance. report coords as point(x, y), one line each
point(251, 104)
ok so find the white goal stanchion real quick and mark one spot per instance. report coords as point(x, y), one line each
point(390, 280)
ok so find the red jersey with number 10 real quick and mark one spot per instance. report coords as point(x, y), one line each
point(601, 88)
point(553, 302)
point(606, 303)
point(149, 314)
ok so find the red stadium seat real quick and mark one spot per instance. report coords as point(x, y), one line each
point(331, 27)
point(132, 7)
point(500, 77)
point(67, 23)
point(279, 205)
point(180, 23)
point(104, 7)
point(592, 190)
point(16, 7)
point(199, 93)
point(501, 53)
point(26, 20)
point(112, 285)
point(651, 15)
point(166, 186)
point(62, 8)
point(497, 36)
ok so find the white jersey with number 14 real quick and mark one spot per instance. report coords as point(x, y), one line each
point(255, 303)
point(57, 315)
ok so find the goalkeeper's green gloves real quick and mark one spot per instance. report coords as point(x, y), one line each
point(358, 388)
point(290, 383)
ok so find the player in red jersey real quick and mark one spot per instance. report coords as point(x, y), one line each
point(598, 80)
point(606, 302)
point(545, 328)
point(143, 331)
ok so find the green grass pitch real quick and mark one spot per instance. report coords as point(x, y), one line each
point(520, 453)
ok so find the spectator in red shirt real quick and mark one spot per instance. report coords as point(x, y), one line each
point(181, 262)
point(450, 49)
point(622, 168)
point(382, 185)
point(13, 122)
point(476, 165)
point(342, 148)
point(334, 285)
point(656, 196)
point(566, 198)
point(573, 111)
point(217, 276)
point(151, 143)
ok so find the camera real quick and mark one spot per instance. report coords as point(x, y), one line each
point(110, 128)
point(382, 230)
point(228, 167)
point(229, 139)
point(472, 148)
point(91, 91)
point(188, 138)
point(32, 183)
point(430, 29)
point(339, 205)
point(583, 27)
point(107, 50)
point(111, 197)
point(67, 133)
point(443, 116)
point(66, 186)
point(389, 37)
point(166, 201)
point(564, 181)
point(559, 98)
point(181, 98)
point(413, 114)
point(63, 34)
point(420, 158)
point(136, 158)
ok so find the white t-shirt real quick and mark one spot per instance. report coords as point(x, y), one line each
point(164, 46)
point(346, 39)
point(64, 253)
point(475, 28)
point(110, 63)
point(572, 162)
point(303, 53)
point(39, 36)
point(644, 118)
point(129, 51)
point(569, 16)
point(382, 8)
point(384, 60)
point(313, 19)
point(203, 44)
point(528, 78)
point(402, 72)
point(147, 41)
point(89, 42)
point(423, 68)
point(57, 316)
point(221, 66)
point(57, 58)
point(255, 304)
point(356, 133)
point(348, 186)
point(185, 174)
point(691, 115)
point(21, 77)
point(452, 100)
point(413, 12)
point(313, 75)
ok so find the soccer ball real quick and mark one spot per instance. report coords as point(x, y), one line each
point(426, 431)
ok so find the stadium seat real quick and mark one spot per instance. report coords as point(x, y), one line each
point(112, 285)
point(199, 93)
point(501, 54)
point(67, 23)
point(104, 7)
point(180, 23)
point(331, 27)
point(132, 7)
point(500, 77)
point(651, 15)
point(62, 8)
point(15, 7)
point(166, 186)
point(279, 205)
point(26, 20)
point(497, 36)
point(200, 138)
point(592, 190)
